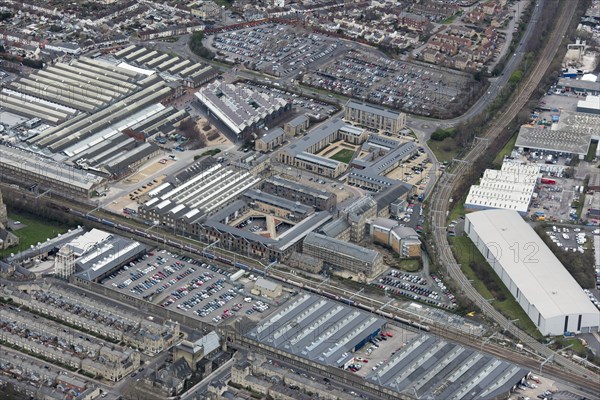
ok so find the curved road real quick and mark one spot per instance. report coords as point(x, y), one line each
point(442, 199)
point(496, 85)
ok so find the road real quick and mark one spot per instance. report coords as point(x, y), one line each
point(426, 127)
point(439, 207)
point(583, 378)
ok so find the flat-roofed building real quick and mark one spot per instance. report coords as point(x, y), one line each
point(265, 287)
point(374, 117)
point(579, 86)
point(548, 294)
point(340, 255)
point(594, 182)
point(590, 105)
point(572, 135)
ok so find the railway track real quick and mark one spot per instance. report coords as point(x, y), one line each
point(439, 209)
point(570, 371)
point(410, 320)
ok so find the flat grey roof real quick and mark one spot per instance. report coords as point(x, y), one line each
point(272, 135)
point(210, 342)
point(294, 328)
point(391, 194)
point(594, 178)
point(315, 159)
point(107, 257)
point(564, 141)
point(335, 228)
point(315, 136)
point(579, 84)
point(319, 193)
point(340, 246)
point(384, 112)
point(267, 284)
point(293, 206)
point(432, 366)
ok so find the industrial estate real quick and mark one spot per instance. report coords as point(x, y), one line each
point(311, 199)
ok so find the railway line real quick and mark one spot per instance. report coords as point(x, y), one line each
point(568, 370)
point(407, 319)
point(439, 209)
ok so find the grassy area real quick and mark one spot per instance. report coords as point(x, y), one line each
point(35, 231)
point(226, 3)
point(344, 155)
point(412, 265)
point(465, 252)
point(208, 153)
point(506, 150)
point(592, 151)
point(171, 39)
point(444, 150)
point(449, 20)
point(576, 346)
point(458, 209)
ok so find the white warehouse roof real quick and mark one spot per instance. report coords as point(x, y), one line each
point(531, 266)
point(510, 188)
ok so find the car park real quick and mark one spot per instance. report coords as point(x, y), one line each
point(183, 284)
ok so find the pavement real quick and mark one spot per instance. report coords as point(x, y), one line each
point(427, 126)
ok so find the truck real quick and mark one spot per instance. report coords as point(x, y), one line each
point(237, 275)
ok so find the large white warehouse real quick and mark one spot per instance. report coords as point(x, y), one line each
point(550, 296)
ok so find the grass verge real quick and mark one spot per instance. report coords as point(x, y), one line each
point(412, 265)
point(465, 252)
point(444, 150)
point(506, 150)
point(458, 209)
point(592, 151)
point(35, 231)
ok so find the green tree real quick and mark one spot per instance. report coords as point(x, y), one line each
point(198, 48)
